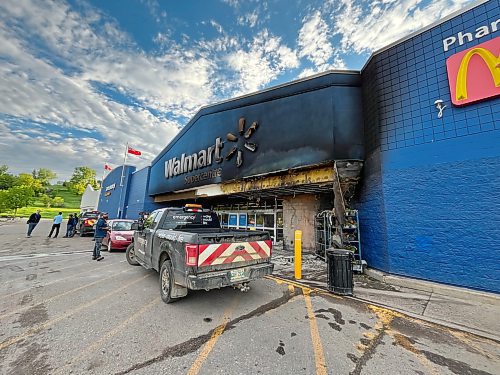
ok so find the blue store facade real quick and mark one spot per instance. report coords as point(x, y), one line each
point(429, 190)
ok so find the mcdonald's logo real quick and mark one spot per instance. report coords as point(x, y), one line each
point(474, 74)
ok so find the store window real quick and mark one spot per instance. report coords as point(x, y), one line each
point(259, 220)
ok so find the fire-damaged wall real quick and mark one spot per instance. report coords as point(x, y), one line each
point(305, 123)
point(430, 199)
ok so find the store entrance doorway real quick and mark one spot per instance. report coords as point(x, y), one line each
point(270, 220)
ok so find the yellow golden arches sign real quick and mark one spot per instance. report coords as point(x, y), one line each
point(474, 74)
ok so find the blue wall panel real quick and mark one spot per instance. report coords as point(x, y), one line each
point(432, 206)
point(138, 198)
point(113, 200)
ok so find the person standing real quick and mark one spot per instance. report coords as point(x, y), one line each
point(100, 232)
point(75, 223)
point(56, 225)
point(69, 226)
point(33, 221)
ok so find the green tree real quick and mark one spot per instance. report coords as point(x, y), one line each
point(3, 200)
point(19, 196)
point(58, 202)
point(7, 180)
point(82, 176)
point(46, 200)
point(44, 175)
point(26, 179)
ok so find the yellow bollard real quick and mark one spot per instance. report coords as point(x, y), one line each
point(298, 255)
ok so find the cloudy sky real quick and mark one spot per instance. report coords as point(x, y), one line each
point(79, 79)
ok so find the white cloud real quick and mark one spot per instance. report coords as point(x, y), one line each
point(314, 44)
point(263, 60)
point(249, 19)
point(217, 26)
point(35, 89)
point(386, 21)
point(313, 40)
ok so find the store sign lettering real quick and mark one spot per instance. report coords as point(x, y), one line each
point(205, 158)
point(188, 163)
point(474, 74)
point(462, 37)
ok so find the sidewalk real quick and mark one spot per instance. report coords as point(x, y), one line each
point(458, 308)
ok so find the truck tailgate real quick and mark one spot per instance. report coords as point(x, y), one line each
point(234, 254)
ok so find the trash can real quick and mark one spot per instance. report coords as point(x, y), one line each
point(339, 269)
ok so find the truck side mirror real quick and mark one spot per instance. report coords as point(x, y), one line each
point(135, 226)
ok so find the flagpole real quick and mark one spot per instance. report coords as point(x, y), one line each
point(121, 182)
point(103, 172)
point(123, 166)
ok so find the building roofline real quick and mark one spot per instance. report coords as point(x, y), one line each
point(424, 29)
point(281, 85)
point(242, 101)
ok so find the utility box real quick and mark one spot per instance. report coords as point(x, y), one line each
point(339, 269)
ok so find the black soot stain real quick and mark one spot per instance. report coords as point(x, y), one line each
point(454, 366)
point(322, 316)
point(352, 357)
point(335, 326)
point(337, 315)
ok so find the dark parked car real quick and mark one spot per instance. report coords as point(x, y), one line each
point(86, 222)
point(119, 236)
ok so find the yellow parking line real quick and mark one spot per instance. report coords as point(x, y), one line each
point(195, 368)
point(107, 336)
point(319, 356)
point(58, 280)
point(57, 296)
point(288, 282)
point(41, 327)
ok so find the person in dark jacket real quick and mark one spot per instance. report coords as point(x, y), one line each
point(70, 226)
point(101, 229)
point(33, 221)
point(75, 224)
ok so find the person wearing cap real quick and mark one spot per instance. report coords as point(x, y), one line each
point(100, 232)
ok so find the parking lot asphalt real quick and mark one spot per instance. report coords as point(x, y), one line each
point(63, 313)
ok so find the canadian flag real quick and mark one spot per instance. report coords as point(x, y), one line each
point(107, 167)
point(132, 151)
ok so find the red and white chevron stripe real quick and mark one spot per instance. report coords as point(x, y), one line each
point(233, 252)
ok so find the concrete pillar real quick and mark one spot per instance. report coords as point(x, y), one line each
point(299, 213)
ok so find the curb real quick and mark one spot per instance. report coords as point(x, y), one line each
point(427, 319)
point(431, 287)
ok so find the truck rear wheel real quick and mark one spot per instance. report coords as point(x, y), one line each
point(130, 255)
point(166, 282)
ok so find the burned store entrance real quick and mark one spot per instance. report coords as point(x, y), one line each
point(315, 201)
point(254, 214)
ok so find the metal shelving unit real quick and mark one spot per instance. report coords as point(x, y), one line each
point(324, 228)
point(351, 237)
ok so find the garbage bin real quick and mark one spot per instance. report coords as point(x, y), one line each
point(339, 268)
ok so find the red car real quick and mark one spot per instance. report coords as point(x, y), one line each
point(119, 236)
